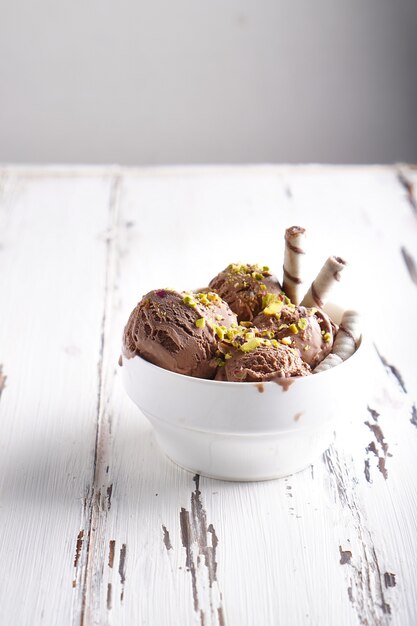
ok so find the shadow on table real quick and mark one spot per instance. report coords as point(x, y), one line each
point(43, 471)
point(59, 470)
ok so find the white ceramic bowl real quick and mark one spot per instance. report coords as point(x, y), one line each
point(244, 431)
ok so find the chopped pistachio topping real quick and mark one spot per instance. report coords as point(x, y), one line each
point(293, 329)
point(268, 333)
point(247, 339)
point(286, 341)
point(203, 299)
point(306, 348)
point(282, 326)
point(327, 337)
point(263, 287)
point(250, 345)
point(273, 308)
point(220, 331)
point(289, 303)
point(227, 356)
point(269, 298)
point(243, 268)
point(257, 276)
point(231, 333)
point(218, 318)
point(302, 323)
point(189, 301)
point(238, 268)
point(200, 323)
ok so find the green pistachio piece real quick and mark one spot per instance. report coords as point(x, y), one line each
point(269, 298)
point(231, 333)
point(302, 323)
point(219, 332)
point(252, 344)
point(238, 268)
point(273, 308)
point(203, 298)
point(257, 276)
point(189, 301)
point(288, 302)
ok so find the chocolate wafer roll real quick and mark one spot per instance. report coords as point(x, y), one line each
point(348, 335)
point(345, 344)
point(330, 361)
point(293, 261)
point(323, 283)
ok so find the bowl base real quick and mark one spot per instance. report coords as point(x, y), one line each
point(273, 471)
point(244, 479)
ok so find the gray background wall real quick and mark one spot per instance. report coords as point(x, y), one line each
point(194, 81)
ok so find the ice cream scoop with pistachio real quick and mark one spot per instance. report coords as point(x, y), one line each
point(244, 327)
point(178, 331)
point(307, 329)
point(248, 357)
point(243, 286)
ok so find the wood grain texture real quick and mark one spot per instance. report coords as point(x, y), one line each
point(51, 288)
point(98, 527)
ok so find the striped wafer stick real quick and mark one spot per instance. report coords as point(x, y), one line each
point(293, 261)
point(330, 361)
point(348, 335)
point(346, 342)
point(323, 283)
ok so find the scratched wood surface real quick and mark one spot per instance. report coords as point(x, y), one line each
point(96, 525)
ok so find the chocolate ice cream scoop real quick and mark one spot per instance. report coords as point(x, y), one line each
point(178, 331)
point(243, 288)
point(249, 357)
point(309, 330)
point(265, 362)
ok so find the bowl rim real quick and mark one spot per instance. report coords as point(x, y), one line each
point(229, 384)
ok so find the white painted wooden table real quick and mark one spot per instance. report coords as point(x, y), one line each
point(96, 525)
